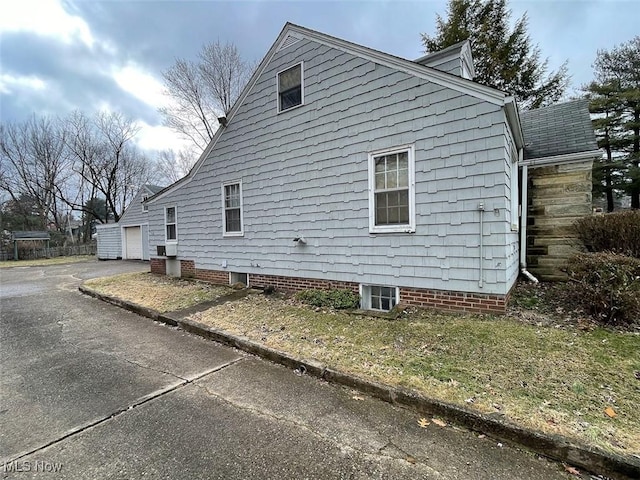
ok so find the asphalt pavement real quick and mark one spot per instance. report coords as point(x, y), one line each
point(88, 390)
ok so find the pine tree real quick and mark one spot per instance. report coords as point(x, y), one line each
point(504, 58)
point(615, 100)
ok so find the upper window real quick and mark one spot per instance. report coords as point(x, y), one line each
point(290, 92)
point(170, 222)
point(232, 207)
point(145, 207)
point(391, 186)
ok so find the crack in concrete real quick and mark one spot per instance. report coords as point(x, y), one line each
point(403, 456)
point(141, 401)
point(147, 367)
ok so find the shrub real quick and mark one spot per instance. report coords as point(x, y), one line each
point(613, 232)
point(608, 285)
point(340, 298)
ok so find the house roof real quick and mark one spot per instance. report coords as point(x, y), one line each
point(28, 235)
point(291, 31)
point(153, 189)
point(558, 130)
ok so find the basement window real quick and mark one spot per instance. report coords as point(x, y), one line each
point(378, 297)
point(235, 277)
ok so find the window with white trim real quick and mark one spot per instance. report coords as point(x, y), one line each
point(232, 209)
point(392, 191)
point(378, 297)
point(290, 88)
point(145, 207)
point(170, 224)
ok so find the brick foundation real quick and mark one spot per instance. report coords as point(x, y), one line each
point(187, 269)
point(454, 301)
point(158, 265)
point(418, 297)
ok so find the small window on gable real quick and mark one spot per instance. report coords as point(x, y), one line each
point(232, 207)
point(290, 88)
point(170, 223)
point(378, 297)
point(145, 207)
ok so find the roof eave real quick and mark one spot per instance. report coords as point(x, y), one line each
point(562, 159)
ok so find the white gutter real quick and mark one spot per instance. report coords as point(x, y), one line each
point(561, 159)
point(523, 219)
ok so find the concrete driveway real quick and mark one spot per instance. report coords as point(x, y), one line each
point(88, 390)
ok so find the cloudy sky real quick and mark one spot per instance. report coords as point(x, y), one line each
point(61, 55)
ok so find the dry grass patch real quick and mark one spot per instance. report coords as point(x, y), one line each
point(558, 380)
point(42, 262)
point(158, 292)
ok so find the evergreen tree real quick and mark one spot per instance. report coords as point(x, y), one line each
point(504, 57)
point(615, 100)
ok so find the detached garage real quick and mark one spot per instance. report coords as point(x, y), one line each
point(129, 238)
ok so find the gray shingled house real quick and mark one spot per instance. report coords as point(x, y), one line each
point(129, 237)
point(342, 166)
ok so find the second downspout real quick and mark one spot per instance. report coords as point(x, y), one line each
point(481, 211)
point(523, 220)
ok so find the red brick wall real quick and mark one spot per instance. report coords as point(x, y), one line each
point(187, 268)
point(439, 299)
point(295, 284)
point(158, 265)
point(453, 301)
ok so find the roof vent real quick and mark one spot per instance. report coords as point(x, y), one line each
point(289, 40)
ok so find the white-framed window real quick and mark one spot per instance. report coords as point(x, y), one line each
point(145, 207)
point(290, 87)
point(232, 209)
point(379, 297)
point(171, 224)
point(392, 190)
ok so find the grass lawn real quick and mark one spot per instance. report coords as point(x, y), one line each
point(553, 376)
point(41, 262)
point(161, 293)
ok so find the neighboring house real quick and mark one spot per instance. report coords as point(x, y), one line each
point(342, 166)
point(129, 237)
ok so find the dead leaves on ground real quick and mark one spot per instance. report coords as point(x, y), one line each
point(571, 470)
point(610, 412)
point(424, 423)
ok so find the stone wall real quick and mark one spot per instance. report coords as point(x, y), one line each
point(558, 195)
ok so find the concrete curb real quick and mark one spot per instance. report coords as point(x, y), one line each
point(552, 446)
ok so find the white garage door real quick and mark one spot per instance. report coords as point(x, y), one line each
point(133, 241)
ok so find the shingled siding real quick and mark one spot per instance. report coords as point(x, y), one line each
point(304, 172)
point(559, 195)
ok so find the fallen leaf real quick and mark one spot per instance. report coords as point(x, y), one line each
point(357, 397)
point(410, 459)
point(439, 422)
point(637, 374)
point(423, 422)
point(571, 470)
point(610, 412)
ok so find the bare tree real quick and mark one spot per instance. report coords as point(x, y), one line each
point(172, 166)
point(203, 90)
point(108, 164)
point(34, 164)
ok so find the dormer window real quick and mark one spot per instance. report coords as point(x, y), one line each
point(290, 88)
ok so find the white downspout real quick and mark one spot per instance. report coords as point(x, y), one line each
point(481, 211)
point(523, 220)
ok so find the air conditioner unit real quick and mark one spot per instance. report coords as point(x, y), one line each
point(171, 249)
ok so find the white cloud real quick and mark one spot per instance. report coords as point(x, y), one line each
point(12, 83)
point(157, 137)
point(142, 85)
point(44, 17)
